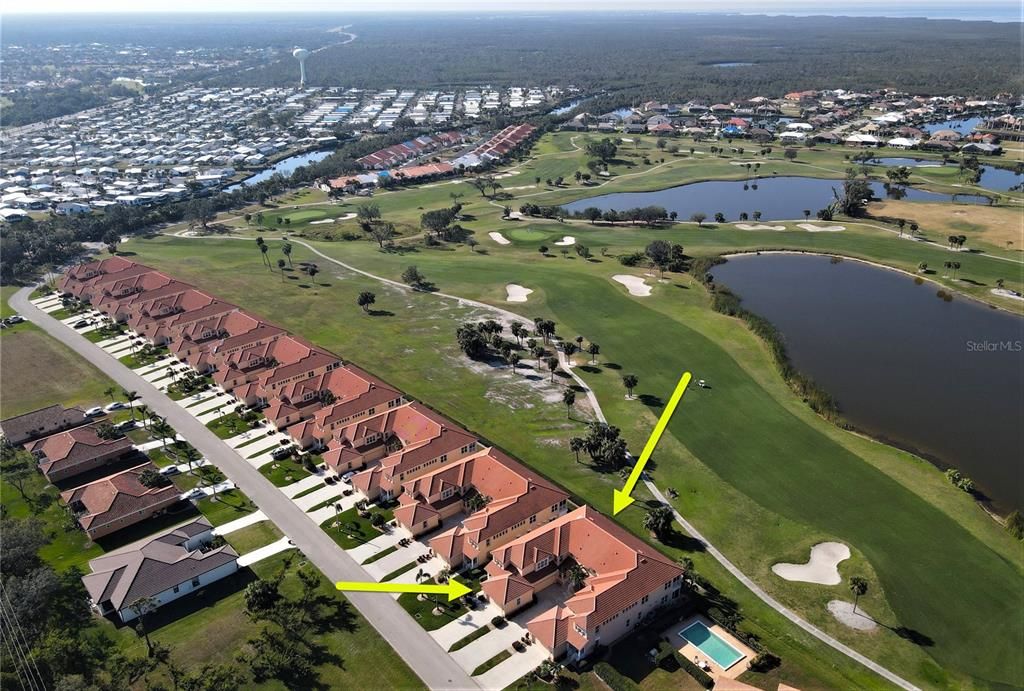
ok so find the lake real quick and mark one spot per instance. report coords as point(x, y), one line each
point(777, 197)
point(286, 166)
point(961, 125)
point(992, 178)
point(732, 64)
point(942, 378)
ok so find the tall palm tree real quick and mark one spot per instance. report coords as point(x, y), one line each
point(266, 260)
point(280, 267)
point(658, 521)
point(568, 398)
point(130, 397)
point(630, 381)
point(577, 444)
point(163, 432)
point(594, 349)
point(858, 586)
point(286, 250)
point(144, 412)
point(110, 391)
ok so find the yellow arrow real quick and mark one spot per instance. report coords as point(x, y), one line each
point(621, 498)
point(453, 589)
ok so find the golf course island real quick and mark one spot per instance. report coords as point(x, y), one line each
point(758, 459)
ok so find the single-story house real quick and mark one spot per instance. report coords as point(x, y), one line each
point(163, 567)
point(21, 429)
point(117, 501)
point(77, 451)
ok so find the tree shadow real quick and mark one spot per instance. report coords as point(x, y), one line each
point(912, 635)
point(613, 365)
point(651, 401)
point(684, 542)
point(380, 313)
point(589, 369)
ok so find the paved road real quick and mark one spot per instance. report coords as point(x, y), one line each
point(689, 527)
point(426, 658)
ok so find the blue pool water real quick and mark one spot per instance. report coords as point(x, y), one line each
point(711, 645)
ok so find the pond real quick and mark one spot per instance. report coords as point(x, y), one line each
point(776, 198)
point(563, 109)
point(286, 166)
point(943, 378)
point(961, 125)
point(992, 178)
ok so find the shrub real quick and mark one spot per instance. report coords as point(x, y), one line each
point(765, 662)
point(615, 681)
point(631, 259)
point(702, 677)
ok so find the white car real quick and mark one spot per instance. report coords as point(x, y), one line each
point(93, 412)
point(195, 493)
point(169, 470)
point(116, 405)
point(348, 476)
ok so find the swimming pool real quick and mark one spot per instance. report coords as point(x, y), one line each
point(711, 645)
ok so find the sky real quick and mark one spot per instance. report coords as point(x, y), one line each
point(1003, 10)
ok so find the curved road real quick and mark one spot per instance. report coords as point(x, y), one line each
point(689, 527)
point(426, 658)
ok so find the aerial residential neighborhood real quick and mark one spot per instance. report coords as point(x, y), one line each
point(511, 348)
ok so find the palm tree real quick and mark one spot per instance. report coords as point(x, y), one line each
point(807, 214)
point(191, 456)
point(163, 432)
point(858, 586)
point(280, 267)
point(577, 444)
point(513, 360)
point(594, 350)
point(312, 270)
point(579, 343)
point(286, 250)
point(574, 577)
point(266, 260)
point(144, 412)
point(630, 381)
point(110, 391)
point(552, 363)
point(569, 349)
point(947, 265)
point(568, 398)
point(658, 521)
point(956, 267)
point(130, 397)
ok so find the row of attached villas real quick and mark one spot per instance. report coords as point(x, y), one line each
point(472, 503)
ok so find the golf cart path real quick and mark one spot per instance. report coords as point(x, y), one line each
point(689, 527)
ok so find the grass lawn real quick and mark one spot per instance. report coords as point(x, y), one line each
point(225, 507)
point(378, 555)
point(423, 610)
point(463, 642)
point(211, 627)
point(323, 504)
point(398, 572)
point(352, 529)
point(254, 536)
point(790, 480)
point(492, 663)
point(137, 359)
point(285, 472)
point(231, 425)
point(68, 379)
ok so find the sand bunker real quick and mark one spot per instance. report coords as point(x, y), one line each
point(499, 238)
point(821, 568)
point(516, 293)
point(810, 227)
point(343, 217)
point(844, 614)
point(634, 284)
point(758, 226)
point(566, 241)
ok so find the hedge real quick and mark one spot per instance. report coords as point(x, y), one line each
point(610, 676)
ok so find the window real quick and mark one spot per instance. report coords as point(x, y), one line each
point(541, 563)
point(176, 588)
point(447, 492)
point(533, 518)
point(195, 582)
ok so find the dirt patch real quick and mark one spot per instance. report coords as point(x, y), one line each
point(844, 614)
point(995, 225)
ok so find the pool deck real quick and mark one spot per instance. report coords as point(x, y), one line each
point(690, 651)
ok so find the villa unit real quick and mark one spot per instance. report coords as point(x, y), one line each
point(601, 582)
point(27, 427)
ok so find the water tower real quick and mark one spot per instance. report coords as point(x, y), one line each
point(301, 54)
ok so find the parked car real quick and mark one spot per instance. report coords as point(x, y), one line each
point(116, 405)
point(81, 323)
point(347, 477)
point(93, 412)
point(330, 480)
point(282, 453)
point(169, 470)
point(15, 319)
point(195, 493)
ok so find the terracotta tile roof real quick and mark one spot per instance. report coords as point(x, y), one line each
point(118, 496)
point(62, 451)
